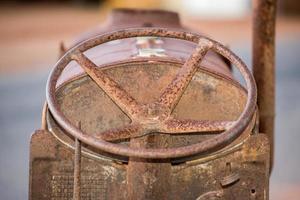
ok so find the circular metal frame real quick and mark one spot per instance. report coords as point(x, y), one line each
point(167, 101)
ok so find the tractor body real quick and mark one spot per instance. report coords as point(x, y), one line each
point(144, 66)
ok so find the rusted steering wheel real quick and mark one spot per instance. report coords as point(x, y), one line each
point(154, 117)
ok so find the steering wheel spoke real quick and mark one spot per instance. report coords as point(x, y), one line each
point(175, 126)
point(118, 95)
point(123, 133)
point(172, 94)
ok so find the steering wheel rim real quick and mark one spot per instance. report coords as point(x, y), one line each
point(212, 144)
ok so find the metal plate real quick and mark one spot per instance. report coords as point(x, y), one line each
point(51, 173)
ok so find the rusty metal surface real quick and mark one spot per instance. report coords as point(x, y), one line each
point(153, 114)
point(210, 93)
point(52, 174)
point(249, 162)
point(150, 126)
point(264, 64)
point(77, 171)
point(120, 19)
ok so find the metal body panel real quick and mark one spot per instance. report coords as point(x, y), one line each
point(52, 173)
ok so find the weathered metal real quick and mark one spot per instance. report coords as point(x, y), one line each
point(264, 22)
point(77, 169)
point(152, 116)
point(148, 117)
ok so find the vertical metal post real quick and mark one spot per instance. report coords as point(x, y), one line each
point(147, 178)
point(264, 65)
point(77, 169)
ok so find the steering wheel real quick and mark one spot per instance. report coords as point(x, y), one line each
point(154, 117)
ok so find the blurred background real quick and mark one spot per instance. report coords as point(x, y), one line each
point(30, 33)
